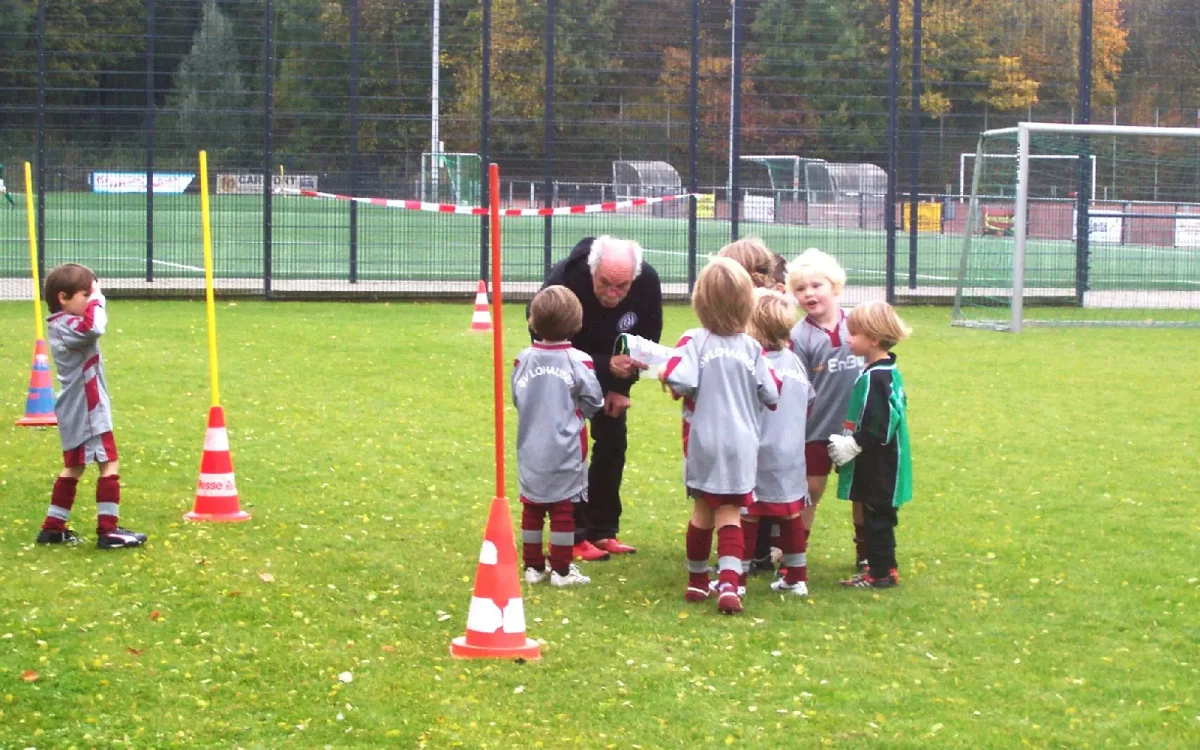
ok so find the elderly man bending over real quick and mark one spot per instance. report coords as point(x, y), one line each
point(620, 293)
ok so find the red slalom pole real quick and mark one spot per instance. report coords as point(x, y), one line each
point(497, 325)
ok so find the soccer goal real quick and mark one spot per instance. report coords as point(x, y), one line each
point(451, 178)
point(649, 179)
point(1130, 256)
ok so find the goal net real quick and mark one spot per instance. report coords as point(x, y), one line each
point(649, 179)
point(845, 195)
point(781, 179)
point(451, 178)
point(1035, 253)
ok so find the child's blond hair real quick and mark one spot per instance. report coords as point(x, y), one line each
point(772, 320)
point(555, 314)
point(724, 297)
point(878, 321)
point(814, 262)
point(751, 253)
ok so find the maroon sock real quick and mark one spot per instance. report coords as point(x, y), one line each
point(62, 499)
point(860, 541)
point(562, 536)
point(531, 536)
point(795, 553)
point(108, 502)
point(699, 547)
point(729, 555)
point(749, 542)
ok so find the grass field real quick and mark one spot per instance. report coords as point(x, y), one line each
point(1047, 597)
point(311, 241)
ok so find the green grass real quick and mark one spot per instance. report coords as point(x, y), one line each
point(310, 240)
point(1049, 596)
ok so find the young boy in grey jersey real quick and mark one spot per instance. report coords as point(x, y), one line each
point(77, 321)
point(723, 379)
point(781, 485)
point(822, 342)
point(555, 390)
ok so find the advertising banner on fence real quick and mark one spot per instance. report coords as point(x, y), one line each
point(929, 217)
point(135, 182)
point(1103, 226)
point(1187, 232)
point(251, 184)
point(706, 206)
point(759, 208)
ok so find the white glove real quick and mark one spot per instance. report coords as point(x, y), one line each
point(843, 448)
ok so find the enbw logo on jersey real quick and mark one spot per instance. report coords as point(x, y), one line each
point(627, 322)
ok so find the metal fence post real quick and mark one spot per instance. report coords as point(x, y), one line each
point(735, 125)
point(268, 145)
point(548, 113)
point(693, 141)
point(485, 134)
point(354, 140)
point(41, 141)
point(149, 140)
point(914, 138)
point(889, 214)
point(1083, 183)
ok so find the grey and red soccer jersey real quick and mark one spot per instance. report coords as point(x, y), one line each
point(782, 474)
point(555, 390)
point(82, 406)
point(832, 369)
point(724, 382)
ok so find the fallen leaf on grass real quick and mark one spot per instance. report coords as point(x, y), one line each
point(389, 649)
point(29, 675)
point(155, 614)
point(346, 677)
point(266, 578)
point(134, 651)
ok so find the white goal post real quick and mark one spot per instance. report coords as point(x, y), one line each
point(1135, 259)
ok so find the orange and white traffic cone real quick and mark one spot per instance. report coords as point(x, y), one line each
point(481, 319)
point(496, 621)
point(39, 406)
point(216, 492)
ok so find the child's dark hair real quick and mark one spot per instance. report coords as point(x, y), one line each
point(779, 270)
point(555, 314)
point(69, 278)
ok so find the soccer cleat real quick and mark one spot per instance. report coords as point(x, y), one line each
point(862, 566)
point(572, 578)
point(728, 602)
point(615, 546)
point(714, 587)
point(533, 575)
point(66, 536)
point(696, 594)
point(589, 552)
point(799, 588)
point(119, 538)
point(865, 581)
point(761, 565)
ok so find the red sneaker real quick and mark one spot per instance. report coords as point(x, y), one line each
point(588, 552)
point(615, 546)
point(728, 602)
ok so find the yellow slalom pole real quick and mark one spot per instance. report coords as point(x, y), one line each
point(33, 255)
point(210, 305)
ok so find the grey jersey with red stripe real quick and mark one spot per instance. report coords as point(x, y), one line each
point(82, 406)
point(555, 390)
point(782, 474)
point(832, 369)
point(724, 382)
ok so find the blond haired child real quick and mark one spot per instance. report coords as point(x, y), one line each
point(751, 253)
point(780, 486)
point(822, 342)
point(555, 390)
point(873, 452)
point(78, 318)
point(723, 379)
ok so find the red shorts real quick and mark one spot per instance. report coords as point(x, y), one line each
point(816, 458)
point(99, 449)
point(762, 509)
point(716, 501)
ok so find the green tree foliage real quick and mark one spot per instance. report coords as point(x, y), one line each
point(209, 99)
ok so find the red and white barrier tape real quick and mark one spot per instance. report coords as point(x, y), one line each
point(446, 208)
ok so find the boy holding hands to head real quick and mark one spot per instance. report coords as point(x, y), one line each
point(555, 390)
point(76, 323)
point(873, 452)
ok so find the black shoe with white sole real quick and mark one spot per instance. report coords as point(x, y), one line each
point(119, 538)
point(66, 536)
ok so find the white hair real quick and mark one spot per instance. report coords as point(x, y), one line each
point(607, 245)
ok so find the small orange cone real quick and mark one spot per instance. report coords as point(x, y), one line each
point(216, 492)
point(496, 621)
point(39, 406)
point(481, 319)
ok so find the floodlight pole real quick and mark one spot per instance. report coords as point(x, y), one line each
point(735, 126)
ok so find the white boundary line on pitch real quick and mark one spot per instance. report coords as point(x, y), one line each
point(164, 263)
